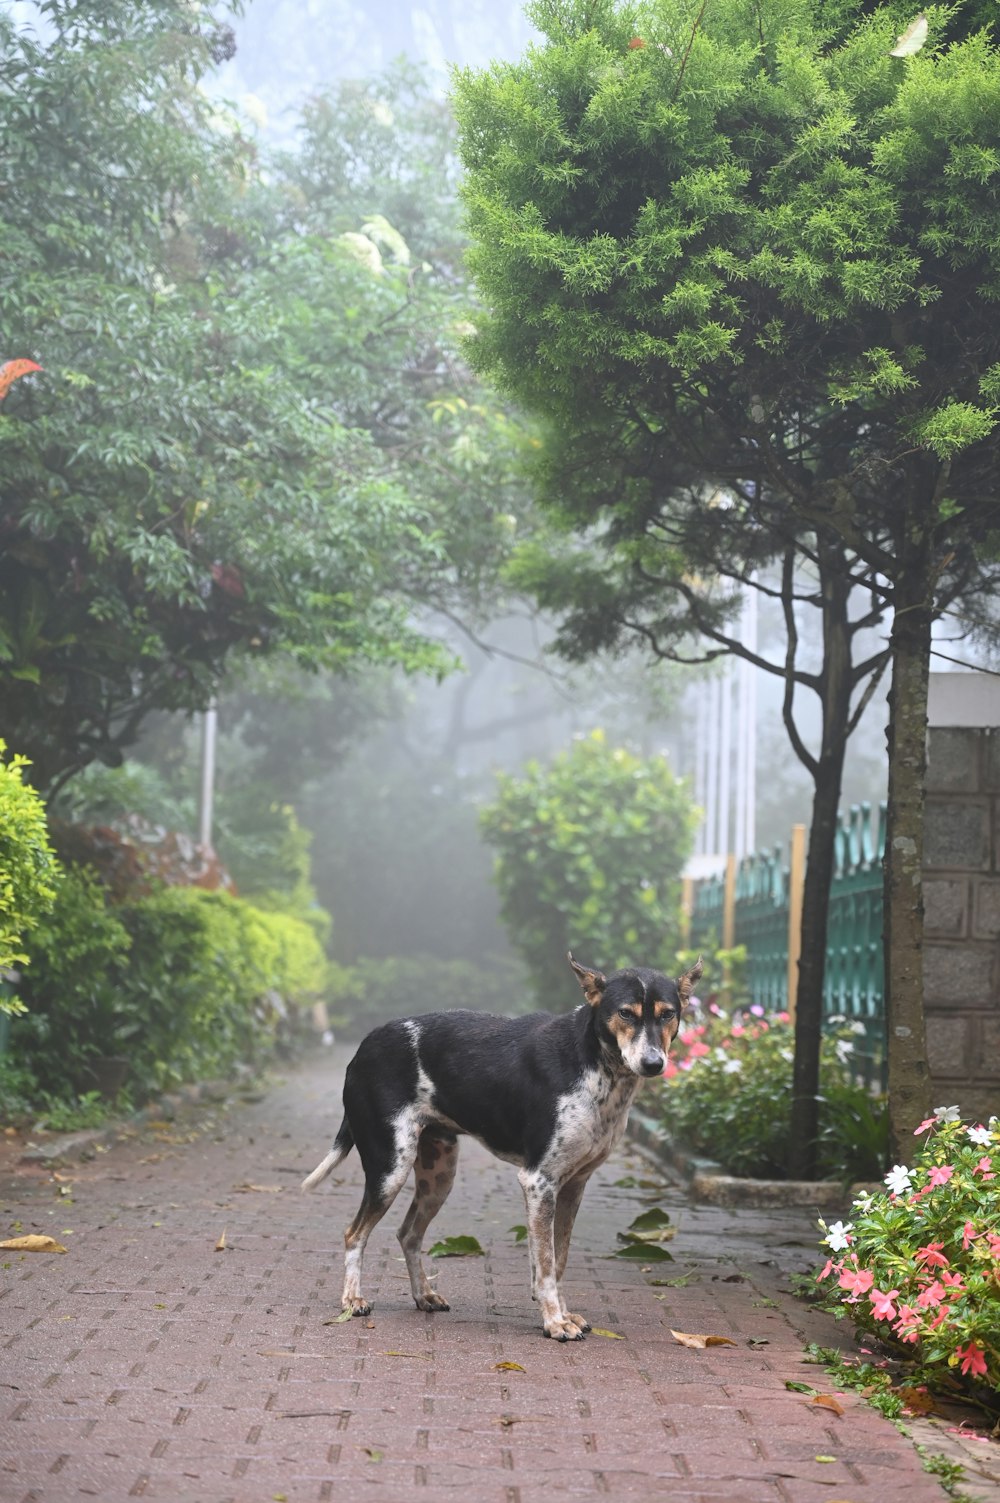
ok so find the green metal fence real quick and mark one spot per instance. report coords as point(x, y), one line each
point(762, 901)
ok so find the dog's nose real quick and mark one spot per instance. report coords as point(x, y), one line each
point(652, 1063)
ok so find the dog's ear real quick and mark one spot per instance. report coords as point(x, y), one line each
point(687, 981)
point(593, 982)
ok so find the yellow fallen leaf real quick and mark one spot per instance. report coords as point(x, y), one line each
point(33, 1243)
point(824, 1458)
point(611, 1335)
point(827, 1401)
point(508, 1367)
point(220, 1246)
point(687, 1338)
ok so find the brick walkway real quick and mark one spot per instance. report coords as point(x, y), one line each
point(145, 1363)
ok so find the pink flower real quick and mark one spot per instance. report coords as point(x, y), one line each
point(984, 1167)
point(954, 1283)
point(907, 1327)
point(972, 1358)
point(940, 1174)
point(931, 1256)
point(828, 1268)
point(931, 1296)
point(928, 1122)
point(968, 1235)
point(670, 1071)
point(882, 1304)
point(697, 1049)
point(857, 1280)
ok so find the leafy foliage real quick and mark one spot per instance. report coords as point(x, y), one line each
point(28, 868)
point(920, 1259)
point(728, 1089)
point(589, 855)
point(372, 992)
point(183, 983)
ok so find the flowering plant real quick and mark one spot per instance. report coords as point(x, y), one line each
point(920, 1262)
point(728, 1091)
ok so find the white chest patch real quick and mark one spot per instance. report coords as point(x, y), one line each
point(590, 1120)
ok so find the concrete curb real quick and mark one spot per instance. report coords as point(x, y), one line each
point(708, 1182)
point(83, 1145)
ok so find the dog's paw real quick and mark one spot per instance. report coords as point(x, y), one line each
point(432, 1301)
point(581, 1321)
point(566, 1330)
point(358, 1305)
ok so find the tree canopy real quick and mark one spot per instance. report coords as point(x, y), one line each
point(752, 251)
point(226, 455)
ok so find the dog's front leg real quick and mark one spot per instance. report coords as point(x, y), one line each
point(540, 1197)
point(567, 1205)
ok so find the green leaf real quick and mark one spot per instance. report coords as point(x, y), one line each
point(457, 1247)
point(644, 1252)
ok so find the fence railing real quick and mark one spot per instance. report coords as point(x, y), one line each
point(757, 904)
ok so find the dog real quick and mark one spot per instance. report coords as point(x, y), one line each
point(549, 1094)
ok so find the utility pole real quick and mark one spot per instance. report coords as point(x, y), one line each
point(206, 802)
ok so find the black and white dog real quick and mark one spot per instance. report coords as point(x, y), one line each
point(548, 1094)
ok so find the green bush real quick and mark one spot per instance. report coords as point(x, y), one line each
point(78, 1009)
point(184, 983)
point(727, 1094)
point(28, 867)
point(376, 991)
point(589, 857)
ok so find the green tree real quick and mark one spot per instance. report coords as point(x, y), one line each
point(28, 867)
point(589, 857)
point(181, 486)
point(759, 252)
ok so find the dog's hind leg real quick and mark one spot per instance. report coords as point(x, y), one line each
point(434, 1175)
point(385, 1176)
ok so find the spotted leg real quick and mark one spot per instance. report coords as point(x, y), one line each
point(385, 1175)
point(434, 1175)
point(567, 1205)
point(540, 1205)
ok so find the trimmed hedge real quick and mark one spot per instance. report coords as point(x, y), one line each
point(184, 983)
point(28, 867)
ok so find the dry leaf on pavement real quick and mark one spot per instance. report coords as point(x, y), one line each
point(826, 1401)
point(508, 1367)
point(220, 1246)
point(687, 1338)
point(33, 1243)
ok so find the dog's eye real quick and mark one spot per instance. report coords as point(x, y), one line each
point(626, 1012)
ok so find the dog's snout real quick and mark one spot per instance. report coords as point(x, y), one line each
point(652, 1062)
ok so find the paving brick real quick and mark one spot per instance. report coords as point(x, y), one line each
point(146, 1364)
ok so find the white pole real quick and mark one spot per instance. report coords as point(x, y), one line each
point(209, 729)
point(726, 759)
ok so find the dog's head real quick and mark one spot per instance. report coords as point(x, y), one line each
point(637, 1012)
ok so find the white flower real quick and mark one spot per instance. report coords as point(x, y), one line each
point(732, 1067)
point(843, 1050)
point(947, 1113)
point(898, 1179)
point(838, 1239)
point(864, 1201)
point(980, 1135)
point(786, 1054)
point(858, 1027)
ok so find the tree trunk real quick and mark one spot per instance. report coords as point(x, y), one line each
point(837, 680)
point(903, 907)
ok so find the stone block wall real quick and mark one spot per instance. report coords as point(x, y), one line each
point(962, 918)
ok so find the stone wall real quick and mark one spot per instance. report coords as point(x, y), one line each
point(962, 918)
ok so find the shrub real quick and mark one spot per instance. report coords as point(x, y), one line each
point(376, 991)
point(28, 868)
point(184, 982)
point(589, 856)
point(921, 1260)
point(728, 1089)
point(78, 1009)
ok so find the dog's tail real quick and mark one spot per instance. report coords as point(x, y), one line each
point(342, 1145)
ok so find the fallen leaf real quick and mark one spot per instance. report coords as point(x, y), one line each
point(756, 1341)
point(425, 1355)
point(646, 1252)
point(826, 1401)
point(371, 1453)
point(697, 1341)
point(794, 1386)
point(680, 1282)
point(338, 1320)
point(653, 1220)
point(284, 1352)
point(260, 1189)
point(611, 1335)
point(220, 1246)
point(917, 1400)
point(33, 1243)
point(508, 1367)
point(520, 1232)
point(824, 1458)
point(457, 1247)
